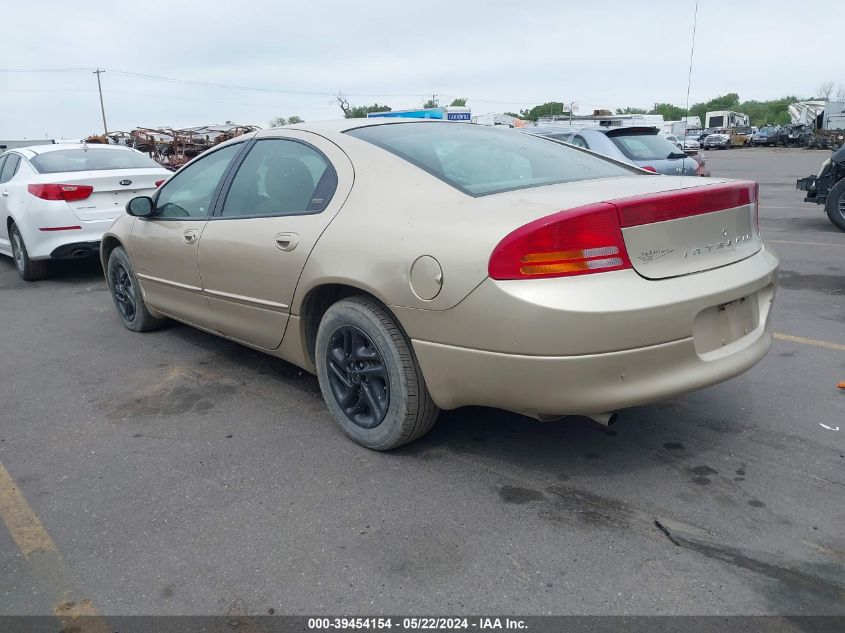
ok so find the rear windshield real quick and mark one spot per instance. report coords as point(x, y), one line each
point(89, 160)
point(481, 160)
point(644, 146)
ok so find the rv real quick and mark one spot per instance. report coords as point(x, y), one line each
point(726, 119)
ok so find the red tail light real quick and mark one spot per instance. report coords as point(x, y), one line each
point(159, 183)
point(575, 242)
point(68, 193)
point(673, 205)
point(650, 168)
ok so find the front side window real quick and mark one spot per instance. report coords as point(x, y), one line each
point(188, 194)
point(90, 159)
point(481, 160)
point(280, 177)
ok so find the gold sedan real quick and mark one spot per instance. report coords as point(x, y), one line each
point(420, 265)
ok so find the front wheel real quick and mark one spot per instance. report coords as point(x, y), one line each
point(835, 205)
point(126, 294)
point(28, 269)
point(369, 376)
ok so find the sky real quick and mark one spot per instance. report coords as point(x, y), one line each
point(295, 56)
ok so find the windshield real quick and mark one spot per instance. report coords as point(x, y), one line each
point(645, 146)
point(481, 160)
point(90, 160)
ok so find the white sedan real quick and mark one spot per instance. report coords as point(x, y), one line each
point(57, 200)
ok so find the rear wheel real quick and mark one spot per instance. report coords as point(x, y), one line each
point(28, 269)
point(369, 376)
point(127, 296)
point(835, 205)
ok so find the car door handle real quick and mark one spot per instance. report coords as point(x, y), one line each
point(190, 236)
point(5, 193)
point(286, 241)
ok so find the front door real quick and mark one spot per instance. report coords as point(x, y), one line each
point(252, 251)
point(164, 246)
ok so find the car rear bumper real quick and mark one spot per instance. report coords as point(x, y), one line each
point(590, 384)
point(63, 244)
point(591, 345)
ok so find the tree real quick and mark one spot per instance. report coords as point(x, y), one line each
point(840, 93)
point(513, 114)
point(431, 103)
point(549, 108)
point(280, 121)
point(825, 90)
point(670, 112)
point(358, 112)
point(458, 101)
point(630, 111)
point(729, 101)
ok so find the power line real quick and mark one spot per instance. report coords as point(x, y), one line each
point(691, 52)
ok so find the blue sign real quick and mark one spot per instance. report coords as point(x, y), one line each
point(458, 116)
point(422, 113)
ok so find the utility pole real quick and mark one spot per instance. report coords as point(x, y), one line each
point(102, 107)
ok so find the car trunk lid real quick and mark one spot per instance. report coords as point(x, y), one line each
point(686, 231)
point(112, 189)
point(670, 226)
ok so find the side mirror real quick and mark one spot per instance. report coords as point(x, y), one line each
point(140, 207)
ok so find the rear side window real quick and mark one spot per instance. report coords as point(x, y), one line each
point(281, 177)
point(644, 146)
point(10, 168)
point(91, 159)
point(481, 160)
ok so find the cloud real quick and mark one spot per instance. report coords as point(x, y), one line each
point(606, 54)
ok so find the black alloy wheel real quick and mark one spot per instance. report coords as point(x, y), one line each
point(358, 377)
point(124, 292)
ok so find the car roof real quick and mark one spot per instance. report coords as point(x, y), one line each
point(336, 126)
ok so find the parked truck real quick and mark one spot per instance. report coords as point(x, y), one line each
point(828, 187)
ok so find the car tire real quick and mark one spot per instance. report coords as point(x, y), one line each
point(835, 205)
point(127, 296)
point(28, 269)
point(369, 376)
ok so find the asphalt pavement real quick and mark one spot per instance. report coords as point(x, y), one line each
point(174, 472)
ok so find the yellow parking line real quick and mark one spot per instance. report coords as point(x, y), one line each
point(803, 243)
point(22, 523)
point(45, 564)
point(810, 341)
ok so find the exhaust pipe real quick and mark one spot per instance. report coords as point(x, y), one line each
point(605, 419)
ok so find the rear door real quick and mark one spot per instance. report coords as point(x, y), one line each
point(164, 246)
point(279, 200)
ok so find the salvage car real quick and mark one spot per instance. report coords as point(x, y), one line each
point(644, 147)
point(828, 188)
point(57, 200)
point(720, 139)
point(418, 265)
point(765, 136)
